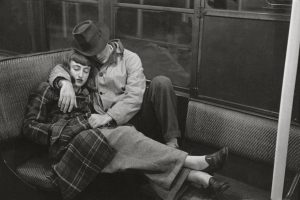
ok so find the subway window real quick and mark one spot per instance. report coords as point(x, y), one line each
point(162, 39)
point(62, 16)
point(17, 33)
point(266, 6)
point(213, 50)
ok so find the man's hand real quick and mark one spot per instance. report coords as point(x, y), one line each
point(67, 98)
point(97, 120)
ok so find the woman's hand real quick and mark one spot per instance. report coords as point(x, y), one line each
point(97, 120)
point(67, 98)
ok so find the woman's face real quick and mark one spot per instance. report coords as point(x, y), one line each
point(79, 72)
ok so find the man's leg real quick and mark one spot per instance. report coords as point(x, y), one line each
point(157, 118)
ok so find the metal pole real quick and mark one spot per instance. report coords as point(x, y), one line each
point(286, 104)
point(139, 31)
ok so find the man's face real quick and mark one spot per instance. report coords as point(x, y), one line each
point(103, 56)
point(79, 72)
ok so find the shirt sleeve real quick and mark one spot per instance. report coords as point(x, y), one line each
point(35, 127)
point(130, 102)
point(58, 73)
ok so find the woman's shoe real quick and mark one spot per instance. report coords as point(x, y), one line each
point(216, 186)
point(216, 160)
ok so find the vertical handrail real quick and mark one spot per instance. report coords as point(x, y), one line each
point(286, 103)
point(65, 19)
point(139, 31)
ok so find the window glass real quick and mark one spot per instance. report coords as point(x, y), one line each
point(15, 31)
point(269, 6)
point(162, 40)
point(164, 60)
point(63, 16)
point(245, 63)
point(167, 26)
point(126, 21)
point(166, 3)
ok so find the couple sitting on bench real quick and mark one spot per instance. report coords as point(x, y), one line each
point(96, 116)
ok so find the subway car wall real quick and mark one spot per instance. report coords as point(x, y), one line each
point(228, 52)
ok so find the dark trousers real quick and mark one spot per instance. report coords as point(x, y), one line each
point(157, 118)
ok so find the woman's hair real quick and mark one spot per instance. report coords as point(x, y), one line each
point(77, 57)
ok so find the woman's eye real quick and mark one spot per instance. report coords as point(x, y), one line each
point(76, 68)
point(86, 70)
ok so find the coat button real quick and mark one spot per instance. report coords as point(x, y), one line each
point(100, 74)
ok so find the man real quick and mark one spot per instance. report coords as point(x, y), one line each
point(120, 94)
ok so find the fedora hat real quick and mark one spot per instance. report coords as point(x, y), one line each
point(89, 39)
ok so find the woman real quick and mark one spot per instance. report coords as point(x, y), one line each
point(78, 152)
point(77, 149)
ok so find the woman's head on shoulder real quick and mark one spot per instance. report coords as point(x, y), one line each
point(79, 68)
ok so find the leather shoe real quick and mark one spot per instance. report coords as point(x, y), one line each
point(216, 186)
point(216, 160)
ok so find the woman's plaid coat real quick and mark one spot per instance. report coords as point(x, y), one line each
point(78, 152)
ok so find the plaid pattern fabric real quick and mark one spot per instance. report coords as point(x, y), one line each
point(78, 152)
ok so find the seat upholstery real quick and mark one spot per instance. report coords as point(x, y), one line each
point(37, 171)
point(18, 77)
point(250, 136)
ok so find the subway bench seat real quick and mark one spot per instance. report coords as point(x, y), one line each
point(251, 140)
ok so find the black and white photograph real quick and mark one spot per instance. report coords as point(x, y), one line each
point(149, 100)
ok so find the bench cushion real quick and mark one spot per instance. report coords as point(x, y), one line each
point(18, 77)
point(247, 135)
point(37, 171)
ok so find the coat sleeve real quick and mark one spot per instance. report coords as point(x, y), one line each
point(130, 102)
point(35, 127)
point(58, 72)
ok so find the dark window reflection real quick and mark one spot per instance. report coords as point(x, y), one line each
point(126, 21)
point(15, 34)
point(245, 64)
point(175, 28)
point(169, 61)
point(170, 27)
point(162, 39)
point(268, 6)
point(62, 16)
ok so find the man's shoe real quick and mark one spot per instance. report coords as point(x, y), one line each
point(216, 186)
point(216, 160)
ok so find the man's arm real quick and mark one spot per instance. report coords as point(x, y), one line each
point(131, 101)
point(59, 78)
point(58, 73)
point(34, 126)
point(98, 120)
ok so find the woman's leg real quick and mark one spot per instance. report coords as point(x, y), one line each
point(160, 163)
point(196, 162)
point(205, 180)
point(199, 178)
point(164, 166)
point(208, 163)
